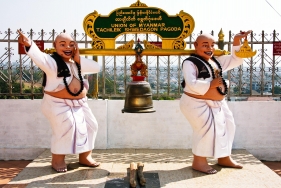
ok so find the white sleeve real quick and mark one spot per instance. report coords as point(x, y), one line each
point(89, 66)
point(44, 61)
point(192, 83)
point(229, 62)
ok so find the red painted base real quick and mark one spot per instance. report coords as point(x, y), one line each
point(138, 78)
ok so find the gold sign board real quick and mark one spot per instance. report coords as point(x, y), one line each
point(138, 18)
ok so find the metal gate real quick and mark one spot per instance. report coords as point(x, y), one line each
point(258, 76)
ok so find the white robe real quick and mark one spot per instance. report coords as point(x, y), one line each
point(74, 127)
point(212, 121)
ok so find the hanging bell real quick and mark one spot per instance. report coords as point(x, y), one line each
point(138, 92)
point(138, 98)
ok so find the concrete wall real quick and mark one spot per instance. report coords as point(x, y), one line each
point(25, 132)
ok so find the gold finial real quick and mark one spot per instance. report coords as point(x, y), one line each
point(221, 35)
point(138, 4)
point(245, 50)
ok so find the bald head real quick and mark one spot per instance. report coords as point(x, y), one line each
point(63, 37)
point(205, 36)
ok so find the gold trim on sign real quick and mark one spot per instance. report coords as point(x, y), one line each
point(188, 27)
point(88, 25)
point(138, 4)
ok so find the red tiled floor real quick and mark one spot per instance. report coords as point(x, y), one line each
point(275, 166)
point(9, 169)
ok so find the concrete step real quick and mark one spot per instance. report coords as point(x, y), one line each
point(162, 168)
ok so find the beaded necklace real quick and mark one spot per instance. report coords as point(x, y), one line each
point(213, 73)
point(81, 82)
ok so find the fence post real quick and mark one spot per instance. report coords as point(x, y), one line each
point(53, 35)
point(251, 67)
point(32, 70)
point(273, 66)
point(9, 62)
point(262, 65)
point(179, 76)
point(114, 75)
point(168, 77)
point(125, 65)
point(228, 72)
point(95, 93)
point(21, 72)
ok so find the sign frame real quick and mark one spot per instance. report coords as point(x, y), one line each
point(128, 15)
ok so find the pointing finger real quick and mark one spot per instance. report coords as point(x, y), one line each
point(20, 33)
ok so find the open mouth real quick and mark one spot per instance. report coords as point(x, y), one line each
point(68, 52)
point(208, 53)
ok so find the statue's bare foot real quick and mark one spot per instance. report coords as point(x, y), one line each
point(87, 160)
point(229, 162)
point(204, 168)
point(201, 164)
point(91, 163)
point(58, 163)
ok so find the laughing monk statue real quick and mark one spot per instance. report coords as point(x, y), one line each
point(204, 106)
point(74, 127)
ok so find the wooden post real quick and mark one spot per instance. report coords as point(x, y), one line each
point(140, 174)
point(133, 182)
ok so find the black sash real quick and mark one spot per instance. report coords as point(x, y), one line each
point(202, 69)
point(63, 70)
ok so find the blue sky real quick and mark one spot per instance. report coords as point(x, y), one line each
point(234, 15)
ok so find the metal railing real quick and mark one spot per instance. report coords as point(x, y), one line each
point(258, 76)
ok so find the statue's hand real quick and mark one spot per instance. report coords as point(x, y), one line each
point(216, 82)
point(76, 54)
point(23, 39)
point(239, 36)
point(242, 34)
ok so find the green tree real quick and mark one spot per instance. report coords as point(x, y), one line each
point(277, 90)
point(235, 90)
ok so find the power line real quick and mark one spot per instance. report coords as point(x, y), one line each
point(273, 8)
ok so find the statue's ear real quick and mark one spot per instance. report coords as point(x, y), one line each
point(195, 44)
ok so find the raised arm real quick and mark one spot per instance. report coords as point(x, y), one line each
point(42, 60)
point(24, 40)
point(229, 62)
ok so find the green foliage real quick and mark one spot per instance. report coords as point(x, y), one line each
point(36, 90)
point(236, 90)
point(277, 90)
point(163, 97)
point(4, 88)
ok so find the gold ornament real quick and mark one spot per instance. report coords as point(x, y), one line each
point(245, 50)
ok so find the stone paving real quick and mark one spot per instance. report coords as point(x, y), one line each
point(162, 168)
